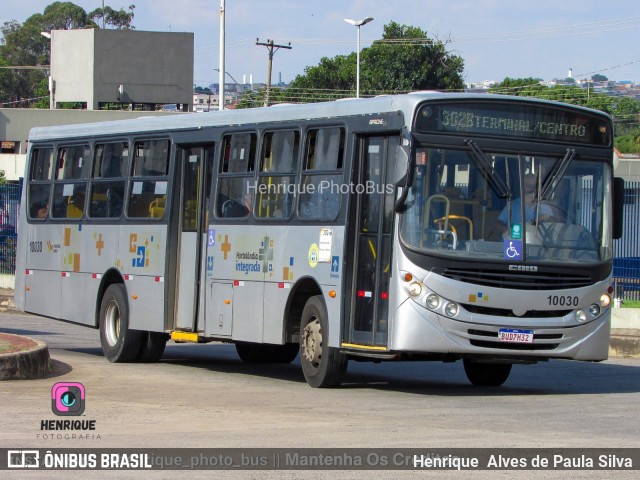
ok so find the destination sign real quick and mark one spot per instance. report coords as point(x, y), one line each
point(514, 120)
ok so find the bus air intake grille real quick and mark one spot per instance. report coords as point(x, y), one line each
point(513, 346)
point(518, 280)
point(505, 312)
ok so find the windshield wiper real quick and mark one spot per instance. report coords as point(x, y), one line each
point(488, 172)
point(555, 175)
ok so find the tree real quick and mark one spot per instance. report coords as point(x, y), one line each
point(120, 19)
point(405, 59)
point(599, 78)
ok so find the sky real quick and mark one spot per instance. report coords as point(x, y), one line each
point(497, 39)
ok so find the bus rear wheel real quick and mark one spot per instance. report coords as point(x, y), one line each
point(266, 353)
point(119, 342)
point(323, 366)
point(487, 374)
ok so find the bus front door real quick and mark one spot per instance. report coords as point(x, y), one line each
point(194, 162)
point(372, 232)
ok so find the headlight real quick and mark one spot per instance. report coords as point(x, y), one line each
point(433, 301)
point(581, 316)
point(605, 300)
point(415, 288)
point(594, 310)
point(451, 309)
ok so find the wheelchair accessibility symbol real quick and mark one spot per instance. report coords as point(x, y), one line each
point(512, 249)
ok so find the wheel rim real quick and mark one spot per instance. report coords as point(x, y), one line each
point(312, 342)
point(112, 323)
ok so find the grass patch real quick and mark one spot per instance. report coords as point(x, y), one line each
point(631, 304)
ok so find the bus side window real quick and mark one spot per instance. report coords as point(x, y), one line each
point(108, 180)
point(322, 176)
point(236, 184)
point(39, 188)
point(276, 180)
point(149, 180)
point(70, 186)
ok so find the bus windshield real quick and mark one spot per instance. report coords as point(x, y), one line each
point(488, 205)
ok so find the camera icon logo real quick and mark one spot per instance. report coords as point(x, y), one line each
point(67, 399)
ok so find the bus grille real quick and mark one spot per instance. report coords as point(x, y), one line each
point(519, 280)
point(504, 312)
point(514, 346)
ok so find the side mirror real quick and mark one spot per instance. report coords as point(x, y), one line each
point(618, 207)
point(401, 167)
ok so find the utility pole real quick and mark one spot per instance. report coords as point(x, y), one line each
point(272, 49)
point(221, 70)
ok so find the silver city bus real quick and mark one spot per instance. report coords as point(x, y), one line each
point(423, 226)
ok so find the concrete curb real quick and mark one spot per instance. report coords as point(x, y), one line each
point(30, 363)
point(624, 343)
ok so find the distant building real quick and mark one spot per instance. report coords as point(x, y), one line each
point(626, 165)
point(130, 69)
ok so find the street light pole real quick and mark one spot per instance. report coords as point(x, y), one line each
point(358, 24)
point(221, 61)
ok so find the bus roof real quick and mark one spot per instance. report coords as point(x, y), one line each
point(404, 103)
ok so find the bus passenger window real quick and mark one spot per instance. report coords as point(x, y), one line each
point(276, 184)
point(71, 182)
point(236, 182)
point(39, 188)
point(321, 187)
point(107, 185)
point(148, 187)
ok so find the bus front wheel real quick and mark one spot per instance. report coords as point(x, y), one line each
point(323, 366)
point(487, 374)
point(119, 342)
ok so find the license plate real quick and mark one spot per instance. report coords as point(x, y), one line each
point(515, 336)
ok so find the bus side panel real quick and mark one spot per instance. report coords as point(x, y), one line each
point(142, 254)
point(245, 257)
point(275, 298)
point(77, 292)
point(247, 311)
point(146, 303)
point(45, 248)
point(21, 253)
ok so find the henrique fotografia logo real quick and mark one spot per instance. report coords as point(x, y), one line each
point(67, 399)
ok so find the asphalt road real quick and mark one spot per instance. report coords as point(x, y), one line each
point(204, 396)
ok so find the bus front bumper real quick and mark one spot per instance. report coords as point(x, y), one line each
point(418, 330)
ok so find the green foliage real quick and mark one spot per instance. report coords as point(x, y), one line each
point(629, 143)
point(405, 59)
point(253, 99)
point(119, 19)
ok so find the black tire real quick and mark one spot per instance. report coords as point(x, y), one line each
point(487, 374)
point(119, 342)
point(152, 348)
point(265, 353)
point(322, 366)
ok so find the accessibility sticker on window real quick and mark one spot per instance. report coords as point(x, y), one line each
point(512, 249)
